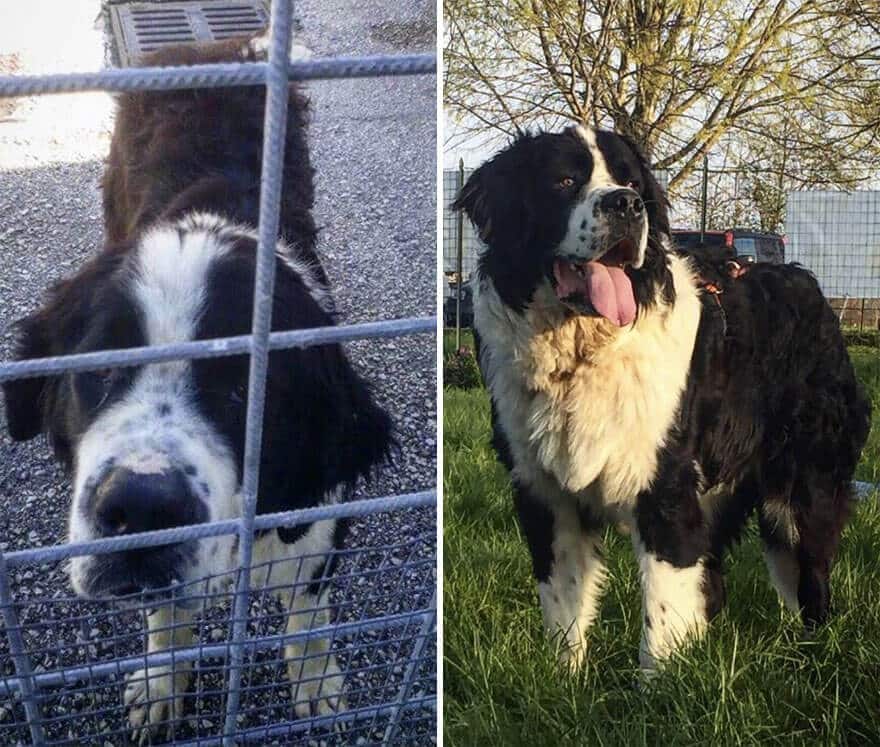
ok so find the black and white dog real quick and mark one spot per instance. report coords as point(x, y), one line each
point(161, 445)
point(623, 392)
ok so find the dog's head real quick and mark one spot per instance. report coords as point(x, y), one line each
point(580, 210)
point(161, 445)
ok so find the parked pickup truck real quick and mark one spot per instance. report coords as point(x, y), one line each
point(744, 245)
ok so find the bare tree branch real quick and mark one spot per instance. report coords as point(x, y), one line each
point(790, 83)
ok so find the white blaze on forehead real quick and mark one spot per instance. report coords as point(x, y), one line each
point(171, 280)
point(600, 176)
point(225, 233)
point(587, 228)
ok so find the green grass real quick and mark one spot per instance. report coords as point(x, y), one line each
point(754, 678)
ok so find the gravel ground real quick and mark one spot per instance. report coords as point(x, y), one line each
point(373, 144)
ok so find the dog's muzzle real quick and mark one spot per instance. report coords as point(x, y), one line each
point(129, 502)
point(599, 285)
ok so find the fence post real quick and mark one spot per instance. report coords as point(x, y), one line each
point(459, 251)
point(705, 198)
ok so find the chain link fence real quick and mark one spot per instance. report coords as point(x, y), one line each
point(65, 662)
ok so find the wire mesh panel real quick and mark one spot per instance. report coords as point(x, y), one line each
point(470, 244)
point(836, 235)
point(85, 654)
point(282, 649)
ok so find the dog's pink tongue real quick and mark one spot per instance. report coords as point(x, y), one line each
point(611, 293)
point(608, 289)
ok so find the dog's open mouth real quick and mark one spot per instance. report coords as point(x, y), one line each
point(600, 286)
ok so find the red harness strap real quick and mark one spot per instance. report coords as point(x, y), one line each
point(714, 290)
point(735, 270)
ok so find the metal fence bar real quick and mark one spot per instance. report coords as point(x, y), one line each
point(216, 348)
point(414, 660)
point(20, 659)
point(459, 259)
point(215, 75)
point(135, 662)
point(272, 171)
point(364, 507)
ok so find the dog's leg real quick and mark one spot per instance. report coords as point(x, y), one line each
point(672, 548)
point(297, 570)
point(565, 544)
point(801, 535)
point(779, 534)
point(673, 605)
point(154, 695)
point(315, 678)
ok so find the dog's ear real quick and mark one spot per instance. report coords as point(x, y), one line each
point(489, 198)
point(55, 329)
point(656, 202)
point(503, 201)
point(473, 199)
point(323, 426)
point(25, 397)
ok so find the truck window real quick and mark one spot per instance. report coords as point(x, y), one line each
point(691, 239)
point(770, 250)
point(745, 247)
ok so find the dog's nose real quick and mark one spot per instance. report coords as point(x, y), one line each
point(622, 201)
point(127, 502)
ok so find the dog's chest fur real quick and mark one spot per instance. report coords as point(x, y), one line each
point(583, 402)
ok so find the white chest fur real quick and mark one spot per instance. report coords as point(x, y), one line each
point(580, 400)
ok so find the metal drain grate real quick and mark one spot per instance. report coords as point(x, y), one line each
point(139, 28)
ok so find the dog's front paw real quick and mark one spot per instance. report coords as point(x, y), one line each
point(316, 686)
point(646, 679)
point(154, 698)
point(571, 655)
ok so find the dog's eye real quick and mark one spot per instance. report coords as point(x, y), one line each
point(239, 394)
point(104, 376)
point(565, 182)
point(98, 384)
point(634, 185)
